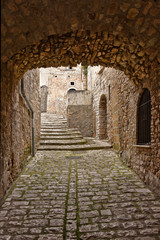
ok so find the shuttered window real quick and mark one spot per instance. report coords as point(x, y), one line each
point(144, 118)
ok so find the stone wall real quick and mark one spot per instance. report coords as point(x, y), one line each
point(44, 96)
point(122, 101)
point(6, 127)
point(80, 112)
point(81, 117)
point(145, 161)
point(16, 139)
point(79, 98)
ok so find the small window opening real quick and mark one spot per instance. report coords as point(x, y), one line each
point(68, 67)
point(68, 75)
point(55, 76)
point(72, 83)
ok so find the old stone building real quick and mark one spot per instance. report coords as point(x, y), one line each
point(120, 34)
point(59, 81)
point(64, 93)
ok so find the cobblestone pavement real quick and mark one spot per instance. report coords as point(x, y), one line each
point(79, 195)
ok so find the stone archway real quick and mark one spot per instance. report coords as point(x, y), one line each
point(103, 117)
point(112, 34)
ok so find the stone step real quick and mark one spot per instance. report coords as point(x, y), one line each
point(73, 147)
point(60, 133)
point(69, 129)
point(71, 134)
point(53, 122)
point(59, 130)
point(55, 135)
point(54, 127)
point(62, 142)
point(46, 137)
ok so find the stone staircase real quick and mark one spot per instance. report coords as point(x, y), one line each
point(55, 135)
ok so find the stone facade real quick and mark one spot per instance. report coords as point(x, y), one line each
point(14, 156)
point(122, 98)
point(80, 112)
point(59, 81)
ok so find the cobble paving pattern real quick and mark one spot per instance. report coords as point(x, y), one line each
point(79, 195)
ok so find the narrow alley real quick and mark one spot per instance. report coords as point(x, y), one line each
point(85, 194)
point(80, 120)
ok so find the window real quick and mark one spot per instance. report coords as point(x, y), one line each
point(144, 118)
point(72, 83)
point(68, 67)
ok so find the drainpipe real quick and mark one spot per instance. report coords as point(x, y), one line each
point(32, 115)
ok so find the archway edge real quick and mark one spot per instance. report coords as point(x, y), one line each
point(89, 48)
point(27, 22)
point(103, 97)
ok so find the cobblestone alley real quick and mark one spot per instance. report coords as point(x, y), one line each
point(79, 195)
point(80, 120)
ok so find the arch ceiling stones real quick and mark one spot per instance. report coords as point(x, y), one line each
point(121, 34)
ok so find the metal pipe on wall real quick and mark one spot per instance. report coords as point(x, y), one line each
point(32, 115)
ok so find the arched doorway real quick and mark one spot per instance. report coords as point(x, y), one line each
point(102, 117)
point(71, 90)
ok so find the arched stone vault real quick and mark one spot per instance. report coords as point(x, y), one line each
point(134, 23)
point(90, 48)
